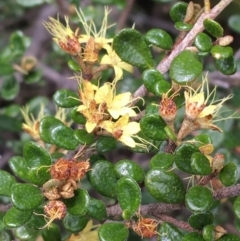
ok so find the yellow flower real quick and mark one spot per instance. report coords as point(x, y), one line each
point(86, 234)
point(64, 36)
point(112, 59)
point(123, 130)
point(91, 30)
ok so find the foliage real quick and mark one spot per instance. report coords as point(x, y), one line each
point(68, 180)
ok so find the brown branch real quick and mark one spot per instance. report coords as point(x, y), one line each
point(227, 192)
point(198, 27)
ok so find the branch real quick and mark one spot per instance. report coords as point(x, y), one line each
point(198, 27)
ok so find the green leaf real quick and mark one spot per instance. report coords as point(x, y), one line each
point(202, 139)
point(78, 205)
point(33, 77)
point(131, 47)
point(181, 26)
point(106, 144)
point(193, 237)
point(15, 218)
point(73, 65)
point(159, 38)
point(128, 195)
point(97, 209)
point(200, 164)
point(185, 68)
point(169, 233)
point(184, 154)
point(178, 11)
point(66, 98)
point(165, 186)
point(6, 183)
point(236, 207)
point(37, 221)
point(152, 108)
point(75, 223)
point(226, 66)
point(128, 168)
point(113, 232)
point(221, 52)
point(213, 27)
point(52, 233)
point(208, 232)
point(32, 3)
point(78, 117)
point(162, 160)
point(19, 42)
point(198, 199)
point(152, 127)
point(229, 174)
point(103, 178)
point(5, 236)
point(199, 220)
point(26, 196)
point(229, 237)
point(83, 137)
point(203, 42)
point(25, 233)
point(234, 22)
point(10, 88)
point(2, 227)
point(155, 82)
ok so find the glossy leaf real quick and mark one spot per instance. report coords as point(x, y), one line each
point(26, 196)
point(178, 11)
point(203, 42)
point(128, 195)
point(131, 47)
point(200, 164)
point(165, 186)
point(221, 52)
point(6, 183)
point(152, 127)
point(37, 221)
point(52, 233)
point(227, 66)
point(181, 26)
point(106, 144)
point(234, 22)
point(229, 174)
point(113, 232)
point(73, 65)
point(5, 236)
point(162, 160)
point(169, 232)
point(152, 108)
point(10, 88)
point(199, 220)
point(103, 178)
point(25, 233)
point(128, 168)
point(236, 207)
point(185, 68)
point(78, 205)
point(213, 27)
point(198, 199)
point(78, 117)
point(66, 98)
point(97, 209)
point(208, 232)
point(15, 218)
point(229, 237)
point(19, 42)
point(159, 38)
point(84, 137)
point(75, 223)
point(193, 237)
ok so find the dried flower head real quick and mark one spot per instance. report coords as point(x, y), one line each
point(79, 169)
point(61, 169)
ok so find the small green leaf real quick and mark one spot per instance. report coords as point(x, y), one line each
point(25, 233)
point(152, 108)
point(202, 139)
point(229, 237)
point(103, 178)
point(185, 68)
point(234, 22)
point(200, 164)
point(113, 232)
point(52, 233)
point(208, 232)
point(199, 220)
point(236, 207)
point(226, 66)
point(169, 232)
point(162, 160)
point(26, 196)
point(159, 38)
point(181, 26)
point(6, 182)
point(97, 209)
point(78, 117)
point(229, 174)
point(75, 223)
point(78, 205)
point(165, 186)
point(10, 88)
point(128, 168)
point(128, 195)
point(37, 221)
point(178, 11)
point(198, 199)
point(131, 47)
point(19, 42)
point(155, 82)
point(84, 137)
point(73, 65)
point(152, 127)
point(213, 27)
point(66, 98)
point(203, 42)
point(193, 237)
point(106, 144)
point(5, 236)
point(221, 52)
point(15, 218)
